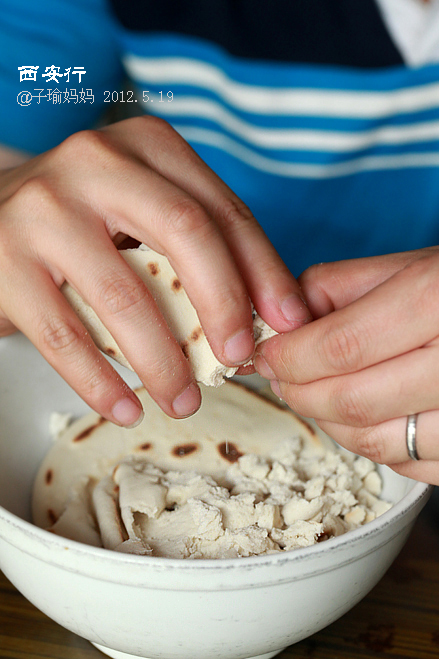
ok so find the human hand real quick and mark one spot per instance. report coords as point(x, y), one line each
point(369, 359)
point(60, 214)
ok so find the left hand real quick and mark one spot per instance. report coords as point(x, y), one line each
point(369, 359)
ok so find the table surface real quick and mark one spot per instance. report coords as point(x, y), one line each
point(399, 618)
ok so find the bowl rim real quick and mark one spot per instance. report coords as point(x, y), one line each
point(417, 496)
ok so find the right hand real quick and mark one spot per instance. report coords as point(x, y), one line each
point(60, 214)
point(369, 359)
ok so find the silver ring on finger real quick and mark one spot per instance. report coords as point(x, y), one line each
point(411, 436)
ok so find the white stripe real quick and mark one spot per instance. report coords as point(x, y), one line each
point(298, 170)
point(285, 139)
point(280, 101)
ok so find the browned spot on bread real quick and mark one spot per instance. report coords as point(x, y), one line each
point(184, 345)
point(145, 447)
point(308, 427)
point(52, 517)
point(85, 433)
point(184, 449)
point(49, 476)
point(154, 268)
point(176, 284)
point(116, 489)
point(196, 334)
point(110, 352)
point(229, 451)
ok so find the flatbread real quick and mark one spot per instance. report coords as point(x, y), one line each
point(231, 422)
point(156, 272)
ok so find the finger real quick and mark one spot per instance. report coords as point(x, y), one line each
point(144, 205)
point(385, 443)
point(127, 309)
point(330, 286)
point(425, 471)
point(385, 322)
point(402, 385)
point(40, 311)
point(272, 288)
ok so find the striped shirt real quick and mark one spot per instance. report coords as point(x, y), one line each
point(306, 109)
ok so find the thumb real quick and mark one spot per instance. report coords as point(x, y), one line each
point(330, 286)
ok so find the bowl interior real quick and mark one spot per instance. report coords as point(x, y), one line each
point(30, 390)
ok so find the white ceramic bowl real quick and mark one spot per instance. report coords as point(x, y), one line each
point(166, 608)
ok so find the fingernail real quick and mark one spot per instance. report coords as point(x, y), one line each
point(240, 347)
point(274, 384)
point(188, 402)
point(126, 412)
point(295, 310)
point(263, 368)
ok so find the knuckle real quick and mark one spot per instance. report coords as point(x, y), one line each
point(236, 213)
point(187, 217)
point(232, 299)
point(341, 348)
point(36, 192)
point(371, 444)
point(237, 220)
point(32, 210)
point(58, 335)
point(82, 144)
point(351, 408)
point(168, 371)
point(93, 149)
point(155, 124)
point(155, 128)
point(121, 295)
point(95, 387)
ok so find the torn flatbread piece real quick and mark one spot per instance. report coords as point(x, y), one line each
point(161, 280)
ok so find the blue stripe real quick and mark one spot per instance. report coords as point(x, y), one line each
point(314, 156)
point(310, 221)
point(293, 121)
point(270, 74)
